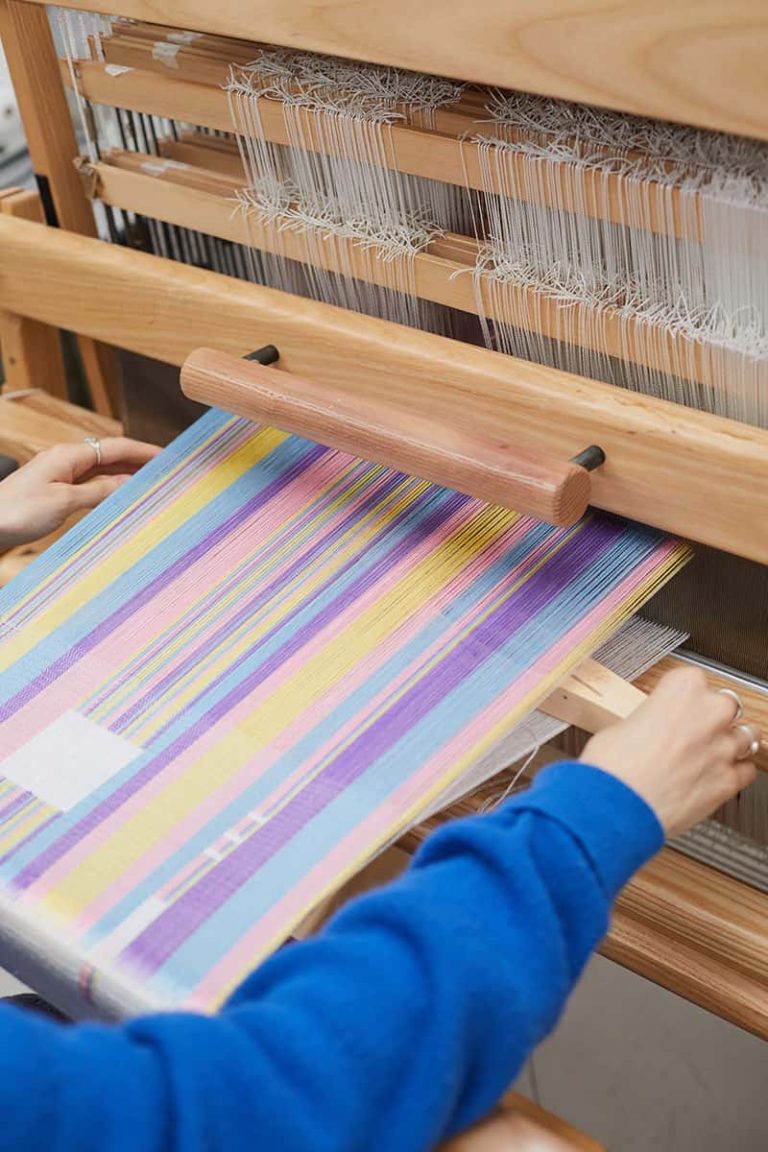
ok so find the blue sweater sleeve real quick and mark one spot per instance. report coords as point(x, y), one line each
point(404, 1021)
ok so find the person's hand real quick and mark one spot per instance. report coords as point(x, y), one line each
point(683, 751)
point(41, 496)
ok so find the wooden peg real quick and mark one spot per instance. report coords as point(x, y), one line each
point(592, 697)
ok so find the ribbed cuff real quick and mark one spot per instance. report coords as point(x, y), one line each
point(617, 829)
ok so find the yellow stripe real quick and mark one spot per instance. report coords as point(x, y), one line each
point(237, 747)
point(259, 624)
point(138, 545)
point(33, 821)
point(304, 585)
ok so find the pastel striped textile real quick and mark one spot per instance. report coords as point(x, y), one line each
point(250, 669)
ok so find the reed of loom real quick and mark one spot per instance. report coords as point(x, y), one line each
point(691, 458)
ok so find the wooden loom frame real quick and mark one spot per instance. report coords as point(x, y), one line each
point(654, 59)
point(680, 923)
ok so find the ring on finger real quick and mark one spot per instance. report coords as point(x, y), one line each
point(95, 443)
point(753, 745)
point(729, 692)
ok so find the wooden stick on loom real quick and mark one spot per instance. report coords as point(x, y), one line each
point(652, 447)
point(441, 273)
point(677, 351)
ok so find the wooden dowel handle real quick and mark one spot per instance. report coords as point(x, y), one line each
point(544, 487)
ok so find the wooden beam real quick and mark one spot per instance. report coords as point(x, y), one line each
point(700, 934)
point(519, 1125)
point(204, 202)
point(31, 352)
point(29, 424)
point(34, 70)
point(675, 468)
point(445, 157)
point(682, 924)
point(695, 61)
point(549, 489)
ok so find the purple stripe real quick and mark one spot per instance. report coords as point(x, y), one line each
point(27, 839)
point(189, 620)
point(164, 496)
point(17, 804)
point(198, 729)
point(135, 603)
point(247, 609)
point(153, 947)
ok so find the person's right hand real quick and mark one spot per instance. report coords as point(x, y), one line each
point(680, 751)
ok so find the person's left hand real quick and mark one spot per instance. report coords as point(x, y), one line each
point(39, 497)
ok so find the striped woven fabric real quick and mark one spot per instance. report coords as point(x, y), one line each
point(250, 669)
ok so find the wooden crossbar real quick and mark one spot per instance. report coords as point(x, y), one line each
point(444, 155)
point(204, 201)
point(653, 60)
point(678, 469)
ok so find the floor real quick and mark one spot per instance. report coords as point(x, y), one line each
point(641, 1069)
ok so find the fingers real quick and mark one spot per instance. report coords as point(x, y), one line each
point(732, 779)
point(744, 774)
point(747, 739)
point(88, 495)
point(68, 463)
point(120, 452)
point(687, 691)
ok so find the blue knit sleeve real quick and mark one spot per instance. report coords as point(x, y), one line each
point(404, 1021)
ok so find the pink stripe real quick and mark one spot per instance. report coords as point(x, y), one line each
point(227, 793)
point(178, 597)
point(169, 489)
point(380, 825)
point(278, 511)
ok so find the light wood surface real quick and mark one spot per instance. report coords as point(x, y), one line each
point(29, 424)
point(31, 352)
point(470, 462)
point(682, 924)
point(443, 273)
point(519, 1125)
point(696, 61)
point(34, 70)
point(675, 468)
point(592, 698)
point(699, 933)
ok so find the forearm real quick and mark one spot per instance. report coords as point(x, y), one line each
point(403, 1021)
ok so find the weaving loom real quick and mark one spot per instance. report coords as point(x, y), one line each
point(536, 303)
point(307, 651)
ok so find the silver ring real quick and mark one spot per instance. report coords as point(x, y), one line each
point(754, 741)
point(729, 692)
point(92, 442)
